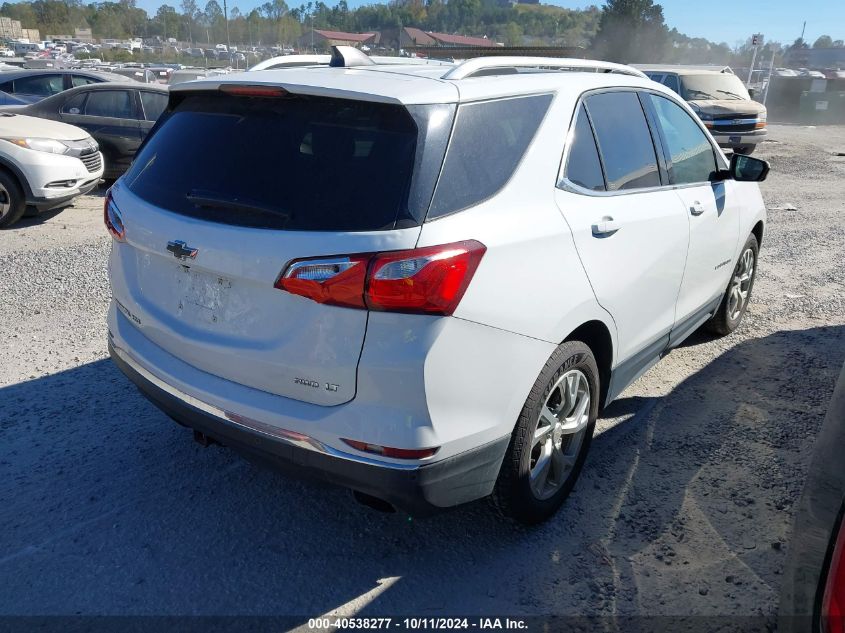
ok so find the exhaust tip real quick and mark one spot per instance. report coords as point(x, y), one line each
point(372, 502)
point(204, 440)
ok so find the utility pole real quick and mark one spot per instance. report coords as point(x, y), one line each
point(756, 41)
point(226, 17)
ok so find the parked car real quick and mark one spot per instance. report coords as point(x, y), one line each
point(33, 85)
point(143, 75)
point(191, 74)
point(721, 101)
point(410, 283)
point(117, 115)
point(813, 591)
point(43, 165)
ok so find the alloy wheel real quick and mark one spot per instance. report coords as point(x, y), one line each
point(559, 433)
point(741, 284)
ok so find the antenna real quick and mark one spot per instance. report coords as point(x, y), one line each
point(349, 56)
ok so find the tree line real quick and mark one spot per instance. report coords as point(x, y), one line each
point(621, 30)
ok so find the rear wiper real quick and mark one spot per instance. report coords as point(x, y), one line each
point(210, 200)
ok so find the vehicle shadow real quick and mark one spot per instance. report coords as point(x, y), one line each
point(682, 508)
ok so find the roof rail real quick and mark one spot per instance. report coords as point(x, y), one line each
point(482, 65)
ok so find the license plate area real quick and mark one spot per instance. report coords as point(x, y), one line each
point(735, 139)
point(202, 297)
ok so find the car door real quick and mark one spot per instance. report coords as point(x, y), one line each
point(630, 230)
point(691, 162)
point(112, 118)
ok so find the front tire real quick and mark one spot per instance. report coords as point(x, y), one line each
point(12, 203)
point(551, 438)
point(738, 295)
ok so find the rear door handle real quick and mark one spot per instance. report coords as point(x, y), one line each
point(607, 226)
point(697, 208)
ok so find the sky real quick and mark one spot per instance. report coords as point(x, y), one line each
point(732, 21)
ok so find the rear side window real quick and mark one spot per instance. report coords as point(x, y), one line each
point(488, 142)
point(154, 104)
point(295, 163)
point(689, 150)
point(583, 167)
point(624, 140)
point(74, 105)
point(117, 104)
point(82, 80)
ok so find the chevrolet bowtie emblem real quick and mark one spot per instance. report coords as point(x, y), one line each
point(181, 250)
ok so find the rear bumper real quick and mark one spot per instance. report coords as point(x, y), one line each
point(419, 490)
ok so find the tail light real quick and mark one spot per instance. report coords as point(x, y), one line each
point(387, 451)
point(833, 601)
point(336, 281)
point(112, 219)
point(430, 280)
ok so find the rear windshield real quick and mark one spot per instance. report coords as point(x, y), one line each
point(294, 163)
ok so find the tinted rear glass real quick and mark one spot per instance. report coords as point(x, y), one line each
point(297, 163)
point(487, 144)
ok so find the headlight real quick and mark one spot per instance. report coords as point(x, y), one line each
point(704, 116)
point(40, 144)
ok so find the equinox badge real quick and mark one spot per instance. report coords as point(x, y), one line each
point(181, 250)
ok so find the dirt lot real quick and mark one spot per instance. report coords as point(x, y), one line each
point(684, 505)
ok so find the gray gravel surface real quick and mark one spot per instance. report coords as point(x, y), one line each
point(684, 505)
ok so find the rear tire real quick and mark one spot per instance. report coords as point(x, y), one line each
point(12, 203)
point(738, 294)
point(551, 438)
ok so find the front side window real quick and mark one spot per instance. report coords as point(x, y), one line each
point(671, 82)
point(116, 104)
point(624, 140)
point(689, 150)
point(488, 142)
point(583, 167)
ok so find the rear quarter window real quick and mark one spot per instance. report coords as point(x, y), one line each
point(488, 142)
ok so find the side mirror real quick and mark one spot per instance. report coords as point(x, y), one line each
point(744, 169)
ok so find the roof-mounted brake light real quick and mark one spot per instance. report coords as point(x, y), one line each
point(239, 90)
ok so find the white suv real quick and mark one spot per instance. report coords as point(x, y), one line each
point(423, 283)
point(43, 165)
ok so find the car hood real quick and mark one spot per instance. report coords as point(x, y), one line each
point(727, 106)
point(19, 125)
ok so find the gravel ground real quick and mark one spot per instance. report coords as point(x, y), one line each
point(684, 506)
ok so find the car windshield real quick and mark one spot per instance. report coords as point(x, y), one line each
point(713, 86)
